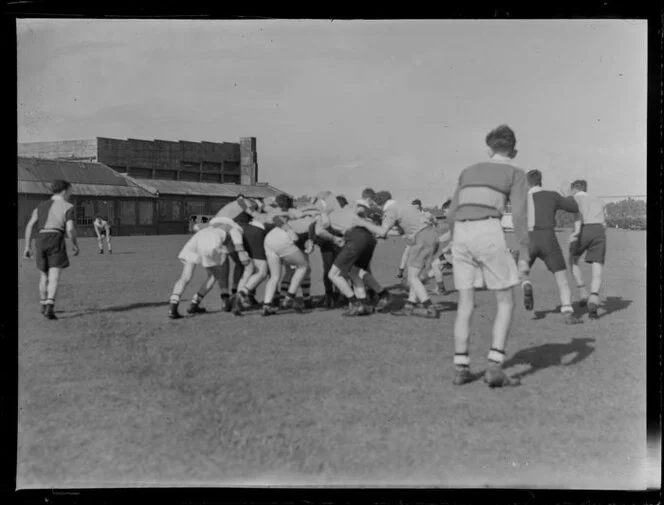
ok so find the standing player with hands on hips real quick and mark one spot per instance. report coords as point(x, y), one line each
point(54, 218)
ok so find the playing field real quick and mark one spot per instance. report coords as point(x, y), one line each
point(116, 394)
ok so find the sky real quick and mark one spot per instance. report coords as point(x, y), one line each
point(396, 105)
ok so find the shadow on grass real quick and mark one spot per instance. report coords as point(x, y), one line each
point(117, 308)
point(541, 314)
point(549, 355)
point(610, 305)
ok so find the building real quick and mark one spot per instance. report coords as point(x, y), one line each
point(96, 189)
point(221, 162)
point(181, 179)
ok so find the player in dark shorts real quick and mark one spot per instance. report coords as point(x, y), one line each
point(54, 218)
point(543, 243)
point(589, 238)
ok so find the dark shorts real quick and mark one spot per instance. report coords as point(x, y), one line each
point(357, 251)
point(544, 245)
point(592, 242)
point(102, 233)
point(301, 242)
point(51, 251)
point(253, 239)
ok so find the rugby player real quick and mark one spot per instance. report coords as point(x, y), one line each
point(53, 218)
point(543, 244)
point(589, 237)
point(478, 243)
point(354, 258)
point(103, 230)
point(417, 203)
point(241, 212)
point(423, 241)
point(208, 248)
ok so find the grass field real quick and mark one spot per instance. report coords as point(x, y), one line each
point(116, 394)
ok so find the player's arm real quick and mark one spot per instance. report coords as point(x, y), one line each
point(28, 233)
point(453, 206)
point(567, 203)
point(71, 230)
point(380, 231)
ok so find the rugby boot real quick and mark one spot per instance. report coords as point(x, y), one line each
point(245, 300)
point(173, 312)
point(50, 312)
point(252, 299)
point(407, 310)
point(583, 302)
point(236, 307)
point(432, 312)
point(400, 274)
point(352, 309)
point(364, 309)
point(571, 318)
point(101, 251)
point(592, 310)
point(195, 308)
point(384, 302)
point(496, 377)
point(288, 302)
point(329, 302)
point(269, 310)
point(528, 296)
point(307, 303)
point(43, 309)
point(226, 303)
point(462, 376)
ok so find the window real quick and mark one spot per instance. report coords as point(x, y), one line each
point(217, 203)
point(232, 179)
point(141, 173)
point(165, 174)
point(190, 165)
point(232, 167)
point(85, 211)
point(211, 166)
point(145, 212)
point(127, 212)
point(170, 210)
point(106, 209)
point(189, 176)
point(211, 177)
point(195, 207)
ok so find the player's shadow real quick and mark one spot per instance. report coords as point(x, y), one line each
point(609, 305)
point(550, 355)
point(117, 308)
point(541, 314)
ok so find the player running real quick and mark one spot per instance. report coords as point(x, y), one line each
point(103, 231)
point(543, 244)
point(54, 218)
point(208, 248)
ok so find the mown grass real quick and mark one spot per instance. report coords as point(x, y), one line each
point(115, 394)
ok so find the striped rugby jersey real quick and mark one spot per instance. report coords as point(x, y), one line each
point(53, 214)
point(408, 217)
point(483, 191)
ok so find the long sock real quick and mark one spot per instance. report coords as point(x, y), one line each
point(496, 357)
point(174, 299)
point(461, 360)
point(198, 298)
point(426, 303)
point(583, 291)
point(306, 288)
point(594, 297)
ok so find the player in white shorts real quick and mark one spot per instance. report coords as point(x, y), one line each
point(208, 248)
point(102, 230)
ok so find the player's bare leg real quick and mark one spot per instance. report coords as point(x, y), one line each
point(595, 285)
point(495, 376)
point(275, 267)
point(259, 275)
point(299, 260)
point(419, 293)
point(224, 285)
point(566, 298)
point(213, 277)
point(360, 306)
point(179, 287)
point(43, 291)
point(384, 298)
point(343, 286)
point(465, 309)
point(402, 264)
point(51, 291)
point(100, 244)
point(108, 244)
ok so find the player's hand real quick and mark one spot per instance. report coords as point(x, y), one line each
point(244, 257)
point(308, 246)
point(339, 241)
point(75, 250)
point(27, 254)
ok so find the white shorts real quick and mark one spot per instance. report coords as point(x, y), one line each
point(279, 243)
point(480, 254)
point(205, 248)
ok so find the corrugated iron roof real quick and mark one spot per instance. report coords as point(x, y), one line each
point(169, 187)
point(88, 179)
point(37, 169)
point(44, 188)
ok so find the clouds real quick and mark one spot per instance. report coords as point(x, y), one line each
point(402, 102)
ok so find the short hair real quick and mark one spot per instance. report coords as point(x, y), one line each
point(534, 177)
point(501, 140)
point(368, 193)
point(98, 217)
point(59, 185)
point(417, 202)
point(580, 185)
point(284, 201)
point(343, 201)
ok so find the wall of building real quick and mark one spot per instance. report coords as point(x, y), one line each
point(79, 150)
point(189, 161)
point(248, 160)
